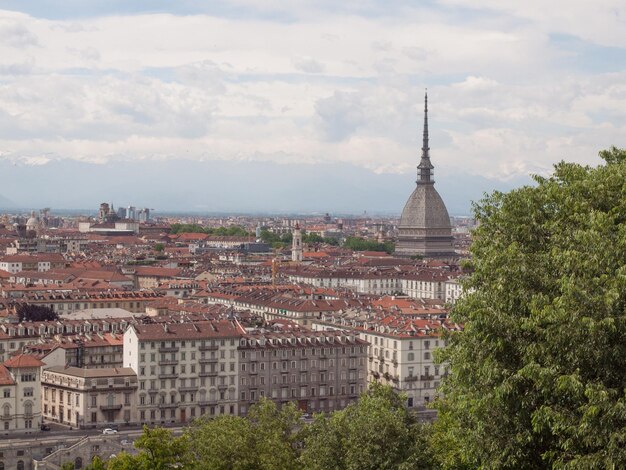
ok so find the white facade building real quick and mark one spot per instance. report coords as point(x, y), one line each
point(400, 353)
point(20, 395)
point(184, 370)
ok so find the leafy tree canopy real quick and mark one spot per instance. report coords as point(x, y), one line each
point(234, 230)
point(29, 312)
point(376, 433)
point(363, 244)
point(158, 450)
point(539, 372)
point(264, 440)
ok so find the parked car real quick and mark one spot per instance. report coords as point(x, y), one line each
point(109, 431)
point(45, 427)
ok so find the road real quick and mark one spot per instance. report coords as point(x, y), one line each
point(60, 433)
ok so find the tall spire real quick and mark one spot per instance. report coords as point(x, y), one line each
point(424, 169)
point(425, 147)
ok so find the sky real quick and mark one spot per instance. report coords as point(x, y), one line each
point(273, 106)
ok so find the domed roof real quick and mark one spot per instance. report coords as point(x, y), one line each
point(425, 209)
point(31, 223)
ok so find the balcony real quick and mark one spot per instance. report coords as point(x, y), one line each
point(206, 360)
point(427, 377)
point(188, 388)
point(208, 373)
point(6, 417)
point(110, 407)
point(168, 405)
point(410, 378)
point(165, 349)
point(207, 402)
point(207, 347)
point(168, 375)
point(168, 362)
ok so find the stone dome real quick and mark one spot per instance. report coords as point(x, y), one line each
point(32, 223)
point(425, 228)
point(425, 209)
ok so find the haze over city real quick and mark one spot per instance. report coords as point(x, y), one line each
point(294, 106)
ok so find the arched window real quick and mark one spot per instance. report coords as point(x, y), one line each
point(78, 463)
point(6, 410)
point(20, 465)
point(28, 409)
point(1, 465)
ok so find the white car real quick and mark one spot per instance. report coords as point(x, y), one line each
point(109, 431)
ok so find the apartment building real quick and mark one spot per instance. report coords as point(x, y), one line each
point(63, 302)
point(101, 339)
point(84, 398)
point(401, 352)
point(319, 371)
point(184, 370)
point(423, 283)
point(42, 262)
point(20, 394)
point(94, 351)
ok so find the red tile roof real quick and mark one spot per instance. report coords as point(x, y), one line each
point(23, 360)
point(5, 376)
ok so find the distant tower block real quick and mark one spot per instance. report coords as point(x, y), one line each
point(104, 211)
point(424, 228)
point(296, 245)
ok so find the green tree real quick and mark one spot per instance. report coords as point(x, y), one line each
point(124, 461)
point(186, 228)
point(223, 443)
point(31, 312)
point(363, 244)
point(376, 433)
point(159, 247)
point(96, 464)
point(262, 441)
point(312, 238)
point(539, 372)
point(275, 434)
point(158, 450)
point(234, 230)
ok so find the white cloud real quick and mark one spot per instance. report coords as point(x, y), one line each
point(327, 85)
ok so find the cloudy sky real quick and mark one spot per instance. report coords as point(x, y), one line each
point(277, 91)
